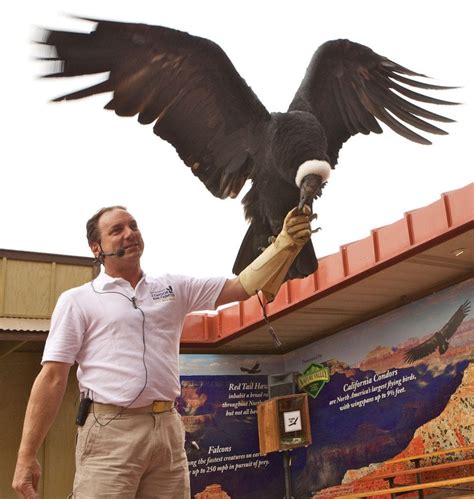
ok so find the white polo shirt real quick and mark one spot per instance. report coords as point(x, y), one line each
point(117, 347)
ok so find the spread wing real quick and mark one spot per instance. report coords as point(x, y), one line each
point(422, 350)
point(253, 370)
point(256, 368)
point(186, 85)
point(348, 87)
point(455, 321)
point(430, 345)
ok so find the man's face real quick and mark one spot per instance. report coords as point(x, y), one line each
point(118, 229)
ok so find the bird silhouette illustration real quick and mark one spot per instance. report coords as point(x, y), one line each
point(253, 370)
point(439, 340)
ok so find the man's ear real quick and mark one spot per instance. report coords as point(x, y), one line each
point(95, 248)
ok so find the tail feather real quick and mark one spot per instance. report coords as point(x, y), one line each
point(247, 253)
point(305, 263)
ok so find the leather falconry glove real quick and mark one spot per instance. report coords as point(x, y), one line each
point(267, 272)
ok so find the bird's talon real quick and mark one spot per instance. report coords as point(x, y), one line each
point(312, 217)
point(316, 230)
point(271, 239)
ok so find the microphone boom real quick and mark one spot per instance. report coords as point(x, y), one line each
point(119, 252)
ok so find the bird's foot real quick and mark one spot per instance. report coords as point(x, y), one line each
point(312, 217)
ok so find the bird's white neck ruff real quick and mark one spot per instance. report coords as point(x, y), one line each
point(314, 166)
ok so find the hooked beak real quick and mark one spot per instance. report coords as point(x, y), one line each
point(311, 188)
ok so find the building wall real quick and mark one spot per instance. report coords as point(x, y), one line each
point(30, 284)
point(17, 374)
point(30, 288)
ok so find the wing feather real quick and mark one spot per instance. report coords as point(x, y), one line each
point(394, 100)
point(419, 84)
point(455, 321)
point(394, 105)
point(348, 87)
point(419, 97)
point(185, 85)
point(422, 350)
point(378, 110)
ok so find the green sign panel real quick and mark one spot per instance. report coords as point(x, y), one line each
point(313, 379)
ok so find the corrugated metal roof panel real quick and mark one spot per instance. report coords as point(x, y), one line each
point(24, 325)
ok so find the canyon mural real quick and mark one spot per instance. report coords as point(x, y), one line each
point(399, 384)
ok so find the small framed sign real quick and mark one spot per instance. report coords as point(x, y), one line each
point(283, 423)
point(292, 420)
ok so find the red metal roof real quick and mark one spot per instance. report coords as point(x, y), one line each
point(449, 215)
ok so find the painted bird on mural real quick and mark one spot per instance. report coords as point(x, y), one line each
point(252, 370)
point(439, 340)
point(190, 90)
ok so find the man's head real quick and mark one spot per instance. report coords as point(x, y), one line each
point(92, 226)
point(112, 228)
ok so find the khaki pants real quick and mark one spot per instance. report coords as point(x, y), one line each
point(133, 456)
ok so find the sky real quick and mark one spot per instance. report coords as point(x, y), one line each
point(61, 162)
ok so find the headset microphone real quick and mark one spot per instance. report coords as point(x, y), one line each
point(119, 252)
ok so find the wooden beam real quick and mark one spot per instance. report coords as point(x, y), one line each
point(22, 336)
point(432, 454)
point(412, 471)
point(3, 280)
point(410, 488)
point(12, 349)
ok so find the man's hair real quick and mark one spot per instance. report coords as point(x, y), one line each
point(92, 226)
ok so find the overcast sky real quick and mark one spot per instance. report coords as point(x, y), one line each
point(61, 162)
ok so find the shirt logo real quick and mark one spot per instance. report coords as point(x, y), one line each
point(165, 294)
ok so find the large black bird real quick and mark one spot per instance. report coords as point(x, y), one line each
point(439, 340)
point(190, 90)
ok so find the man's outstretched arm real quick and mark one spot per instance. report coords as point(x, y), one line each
point(268, 271)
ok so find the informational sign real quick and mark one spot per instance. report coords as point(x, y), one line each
point(220, 417)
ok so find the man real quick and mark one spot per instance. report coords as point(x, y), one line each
point(123, 329)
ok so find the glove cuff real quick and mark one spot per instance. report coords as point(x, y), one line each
point(268, 271)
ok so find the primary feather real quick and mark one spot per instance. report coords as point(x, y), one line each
point(190, 90)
